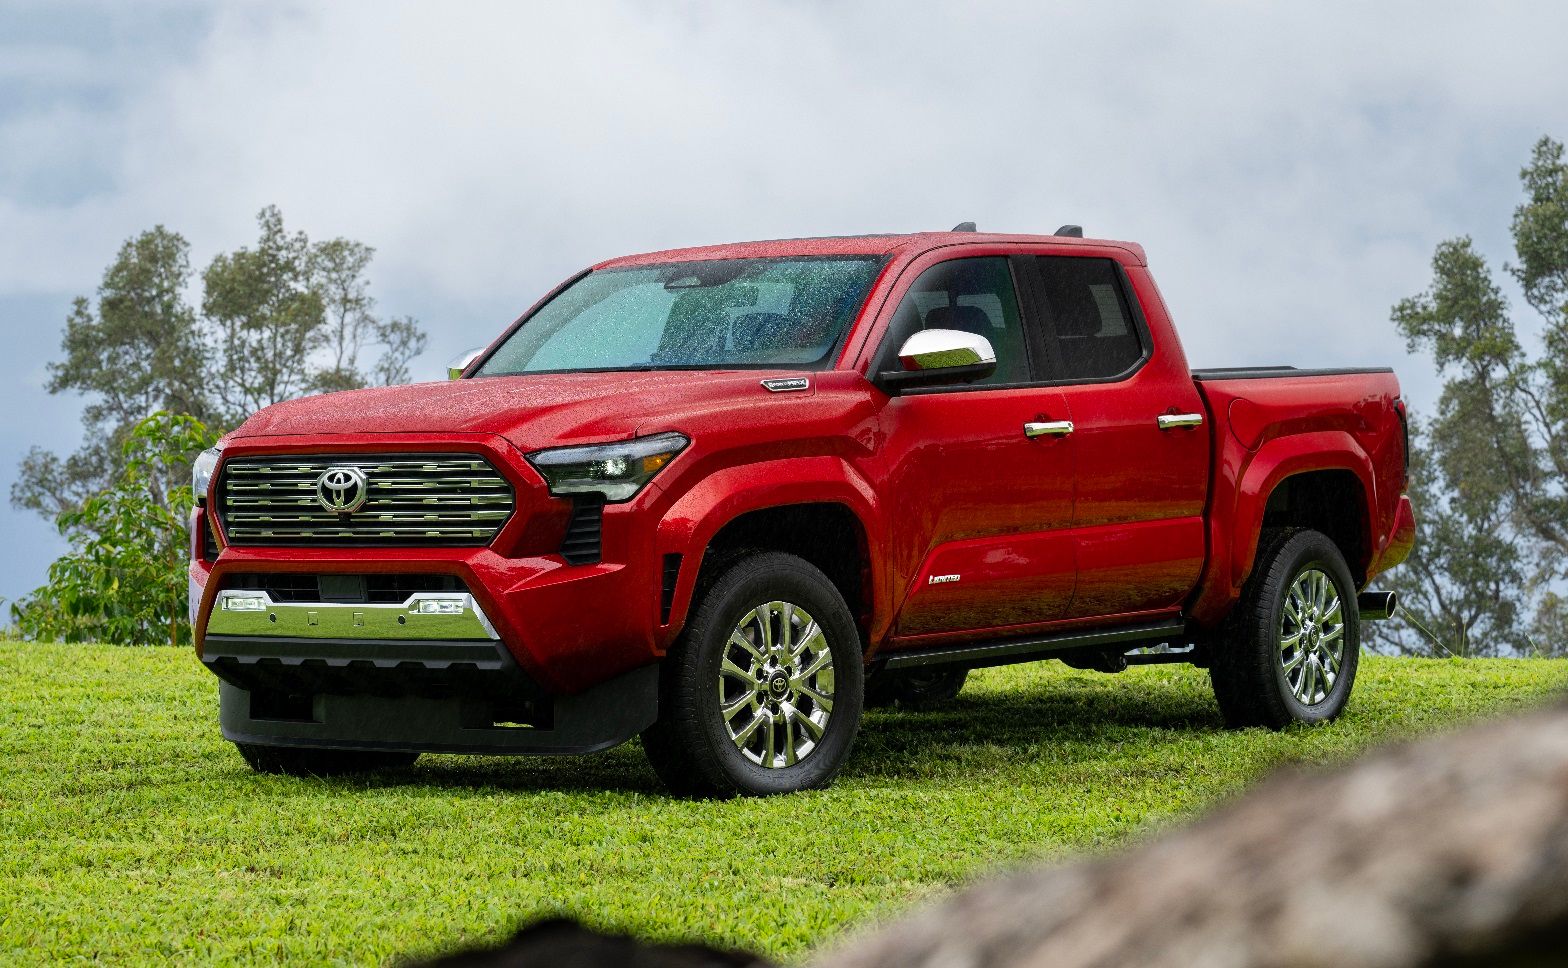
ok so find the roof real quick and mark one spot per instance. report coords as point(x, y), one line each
point(848, 245)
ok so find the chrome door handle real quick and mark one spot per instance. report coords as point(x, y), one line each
point(1049, 428)
point(1167, 421)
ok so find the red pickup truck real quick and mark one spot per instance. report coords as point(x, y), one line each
point(725, 497)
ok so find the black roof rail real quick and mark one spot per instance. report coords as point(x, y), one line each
point(1070, 231)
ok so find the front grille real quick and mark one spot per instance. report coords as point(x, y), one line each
point(410, 499)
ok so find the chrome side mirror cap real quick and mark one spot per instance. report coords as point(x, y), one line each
point(461, 362)
point(933, 357)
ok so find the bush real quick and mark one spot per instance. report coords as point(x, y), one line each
point(124, 580)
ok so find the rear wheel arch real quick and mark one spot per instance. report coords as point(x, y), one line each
point(1322, 482)
point(1334, 503)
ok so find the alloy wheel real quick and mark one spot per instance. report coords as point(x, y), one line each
point(776, 685)
point(1311, 636)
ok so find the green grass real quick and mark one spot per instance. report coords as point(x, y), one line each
point(130, 832)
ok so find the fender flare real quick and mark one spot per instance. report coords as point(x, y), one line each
point(1283, 458)
point(692, 521)
point(1234, 536)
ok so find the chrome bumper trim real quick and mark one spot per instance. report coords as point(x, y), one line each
point(240, 611)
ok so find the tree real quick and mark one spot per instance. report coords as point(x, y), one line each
point(266, 319)
point(124, 580)
point(277, 320)
point(1459, 588)
point(139, 351)
point(337, 269)
point(1494, 473)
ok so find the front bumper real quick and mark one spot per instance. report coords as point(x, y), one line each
point(430, 673)
point(465, 722)
point(569, 626)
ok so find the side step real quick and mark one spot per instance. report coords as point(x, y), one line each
point(976, 655)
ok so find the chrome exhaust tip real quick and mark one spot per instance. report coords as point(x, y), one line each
point(1376, 606)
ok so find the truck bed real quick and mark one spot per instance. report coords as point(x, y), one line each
point(1271, 422)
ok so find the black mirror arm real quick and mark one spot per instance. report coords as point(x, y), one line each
point(892, 382)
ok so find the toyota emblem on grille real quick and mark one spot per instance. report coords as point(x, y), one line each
point(342, 490)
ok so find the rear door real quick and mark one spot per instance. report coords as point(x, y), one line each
point(1141, 449)
point(981, 510)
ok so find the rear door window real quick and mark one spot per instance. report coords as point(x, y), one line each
point(1088, 322)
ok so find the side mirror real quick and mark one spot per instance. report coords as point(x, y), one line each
point(461, 362)
point(934, 357)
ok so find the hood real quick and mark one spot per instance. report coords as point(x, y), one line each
point(530, 411)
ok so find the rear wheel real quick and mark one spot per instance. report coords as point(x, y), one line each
point(1290, 649)
point(311, 761)
point(762, 692)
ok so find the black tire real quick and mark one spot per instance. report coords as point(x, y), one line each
point(915, 688)
point(1248, 668)
point(311, 761)
point(690, 746)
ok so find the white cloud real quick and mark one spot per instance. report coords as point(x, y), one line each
point(1288, 168)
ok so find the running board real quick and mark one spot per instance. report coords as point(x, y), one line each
point(1007, 651)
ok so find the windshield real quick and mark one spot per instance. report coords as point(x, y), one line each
point(709, 315)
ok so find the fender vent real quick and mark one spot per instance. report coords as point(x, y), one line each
point(672, 574)
point(581, 544)
point(209, 542)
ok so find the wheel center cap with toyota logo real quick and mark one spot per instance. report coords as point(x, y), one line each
point(342, 490)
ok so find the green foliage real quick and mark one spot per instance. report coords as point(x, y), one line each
point(135, 834)
point(1492, 478)
point(124, 580)
point(286, 317)
point(1459, 588)
point(280, 319)
point(140, 350)
point(266, 316)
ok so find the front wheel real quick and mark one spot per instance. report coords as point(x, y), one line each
point(1290, 649)
point(762, 693)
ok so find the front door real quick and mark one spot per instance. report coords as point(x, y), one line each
point(980, 475)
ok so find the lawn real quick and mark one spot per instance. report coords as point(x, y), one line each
point(130, 832)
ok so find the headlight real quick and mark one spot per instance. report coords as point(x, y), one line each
point(618, 470)
point(201, 471)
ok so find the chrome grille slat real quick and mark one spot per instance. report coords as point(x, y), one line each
point(413, 500)
point(409, 503)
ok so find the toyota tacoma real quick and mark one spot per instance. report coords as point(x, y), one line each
point(724, 498)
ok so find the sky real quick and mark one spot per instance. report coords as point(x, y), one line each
point(1288, 167)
